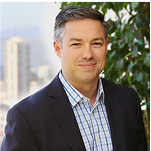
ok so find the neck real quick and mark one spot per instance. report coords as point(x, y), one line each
point(88, 89)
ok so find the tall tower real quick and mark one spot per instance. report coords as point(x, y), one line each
point(16, 68)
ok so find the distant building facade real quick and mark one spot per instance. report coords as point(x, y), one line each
point(16, 67)
point(3, 95)
point(44, 73)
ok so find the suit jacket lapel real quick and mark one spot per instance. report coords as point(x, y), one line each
point(64, 115)
point(114, 116)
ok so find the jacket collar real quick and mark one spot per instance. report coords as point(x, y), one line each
point(114, 115)
point(64, 115)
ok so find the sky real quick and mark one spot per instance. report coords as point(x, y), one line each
point(16, 14)
point(34, 21)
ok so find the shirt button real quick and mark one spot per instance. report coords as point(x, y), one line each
point(85, 100)
point(97, 138)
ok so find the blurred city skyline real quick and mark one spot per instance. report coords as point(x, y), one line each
point(32, 21)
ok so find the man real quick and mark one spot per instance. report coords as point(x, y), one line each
point(78, 110)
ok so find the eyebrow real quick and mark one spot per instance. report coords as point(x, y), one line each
point(74, 39)
point(99, 38)
point(77, 39)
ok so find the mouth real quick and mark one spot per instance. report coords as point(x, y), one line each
point(87, 66)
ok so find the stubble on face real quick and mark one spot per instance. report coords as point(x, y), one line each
point(76, 68)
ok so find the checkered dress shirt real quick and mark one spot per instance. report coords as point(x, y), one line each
point(92, 121)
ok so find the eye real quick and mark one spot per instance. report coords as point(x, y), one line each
point(75, 44)
point(97, 44)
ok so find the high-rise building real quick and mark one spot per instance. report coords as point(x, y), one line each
point(44, 73)
point(16, 67)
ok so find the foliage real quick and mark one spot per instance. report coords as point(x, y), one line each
point(128, 59)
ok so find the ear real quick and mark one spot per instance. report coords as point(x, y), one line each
point(57, 48)
point(107, 43)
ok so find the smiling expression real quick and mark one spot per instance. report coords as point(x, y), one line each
point(83, 51)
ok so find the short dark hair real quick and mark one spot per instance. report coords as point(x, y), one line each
point(76, 13)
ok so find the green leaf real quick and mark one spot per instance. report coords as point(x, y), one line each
point(139, 76)
point(147, 60)
point(130, 66)
point(122, 45)
point(141, 21)
point(134, 51)
point(120, 63)
point(111, 55)
point(130, 36)
point(127, 55)
point(138, 34)
point(134, 5)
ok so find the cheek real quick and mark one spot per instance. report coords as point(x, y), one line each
point(68, 58)
point(101, 55)
point(72, 55)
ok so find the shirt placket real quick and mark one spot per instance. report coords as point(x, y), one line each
point(93, 126)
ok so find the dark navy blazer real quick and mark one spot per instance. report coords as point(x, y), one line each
point(45, 121)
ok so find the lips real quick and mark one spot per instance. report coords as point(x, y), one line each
point(87, 65)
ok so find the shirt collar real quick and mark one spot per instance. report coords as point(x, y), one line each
point(74, 95)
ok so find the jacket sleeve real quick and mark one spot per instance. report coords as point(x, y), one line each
point(18, 134)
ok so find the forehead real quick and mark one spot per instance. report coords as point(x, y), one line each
point(84, 28)
point(82, 23)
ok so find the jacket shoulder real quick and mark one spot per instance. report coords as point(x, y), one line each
point(40, 98)
point(114, 86)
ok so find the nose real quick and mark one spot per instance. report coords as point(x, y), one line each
point(87, 53)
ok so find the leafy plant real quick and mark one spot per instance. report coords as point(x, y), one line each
point(128, 59)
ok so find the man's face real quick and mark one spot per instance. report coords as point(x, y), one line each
point(83, 50)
